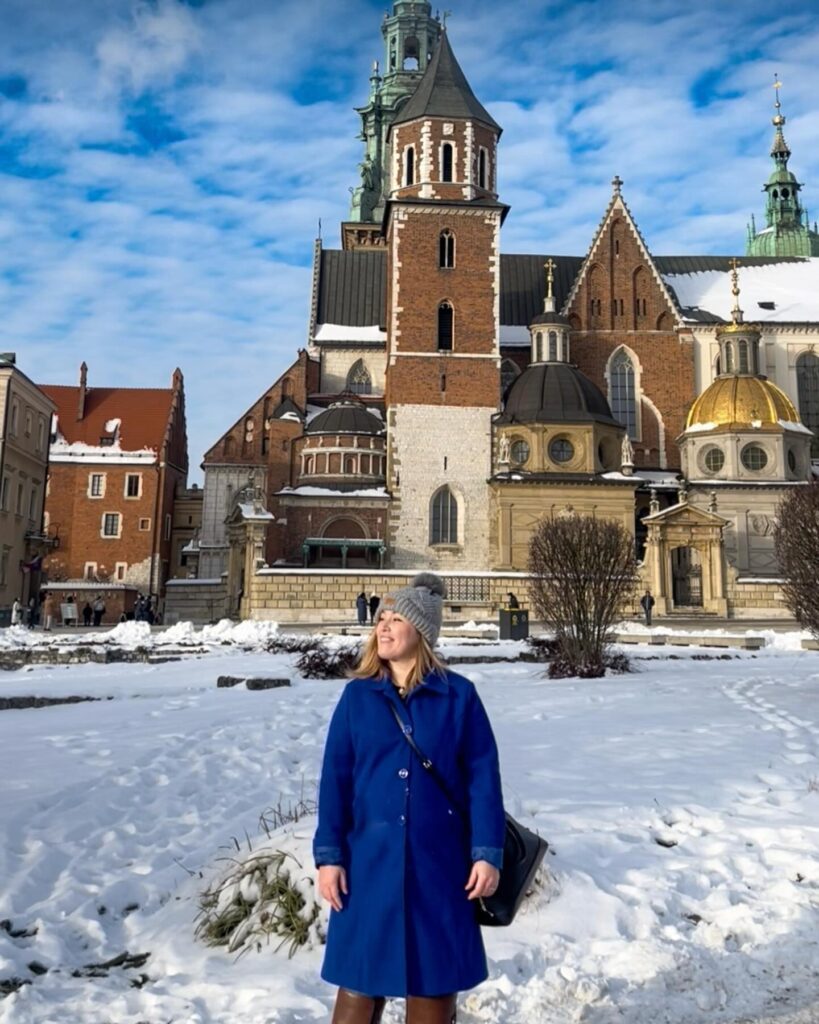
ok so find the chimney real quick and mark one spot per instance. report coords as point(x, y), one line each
point(83, 383)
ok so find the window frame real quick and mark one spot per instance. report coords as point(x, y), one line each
point(445, 332)
point(104, 522)
point(128, 478)
point(444, 506)
point(103, 477)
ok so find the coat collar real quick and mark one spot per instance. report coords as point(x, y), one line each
point(432, 681)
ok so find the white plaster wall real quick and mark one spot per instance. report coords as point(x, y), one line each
point(424, 441)
point(337, 363)
point(779, 349)
point(221, 484)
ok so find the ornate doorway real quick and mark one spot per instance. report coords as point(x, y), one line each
point(686, 578)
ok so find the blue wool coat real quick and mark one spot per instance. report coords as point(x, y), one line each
point(407, 927)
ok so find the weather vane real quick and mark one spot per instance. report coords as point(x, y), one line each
point(444, 17)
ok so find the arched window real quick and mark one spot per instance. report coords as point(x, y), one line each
point(552, 346)
point(308, 465)
point(349, 464)
point(539, 347)
point(729, 357)
point(622, 389)
point(482, 162)
point(446, 250)
point(509, 373)
point(409, 165)
point(807, 385)
point(445, 327)
point(359, 380)
point(446, 161)
point(411, 54)
point(743, 356)
point(444, 518)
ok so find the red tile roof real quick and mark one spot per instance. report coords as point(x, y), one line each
point(144, 414)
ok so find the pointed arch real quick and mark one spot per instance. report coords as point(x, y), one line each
point(446, 326)
point(623, 375)
point(446, 249)
point(510, 371)
point(443, 518)
point(359, 380)
point(447, 161)
point(409, 165)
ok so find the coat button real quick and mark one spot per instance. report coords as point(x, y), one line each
point(402, 818)
point(408, 729)
point(403, 773)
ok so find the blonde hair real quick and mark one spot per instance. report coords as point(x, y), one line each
point(371, 666)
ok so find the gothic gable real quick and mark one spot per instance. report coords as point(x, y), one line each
point(619, 286)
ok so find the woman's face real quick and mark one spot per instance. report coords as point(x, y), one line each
point(397, 637)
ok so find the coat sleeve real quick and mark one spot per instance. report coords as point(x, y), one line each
point(488, 822)
point(335, 801)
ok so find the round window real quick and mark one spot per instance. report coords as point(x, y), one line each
point(754, 458)
point(519, 452)
point(561, 450)
point(791, 460)
point(714, 460)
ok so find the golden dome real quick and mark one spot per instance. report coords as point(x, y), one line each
point(741, 403)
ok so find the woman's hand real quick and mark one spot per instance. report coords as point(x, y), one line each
point(483, 880)
point(331, 879)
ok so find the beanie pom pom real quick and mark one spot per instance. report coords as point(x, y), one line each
point(433, 583)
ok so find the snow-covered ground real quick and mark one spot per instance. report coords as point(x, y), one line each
point(682, 803)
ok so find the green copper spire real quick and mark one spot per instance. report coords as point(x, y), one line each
point(787, 231)
point(411, 35)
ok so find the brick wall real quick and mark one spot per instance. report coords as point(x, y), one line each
point(621, 302)
point(77, 519)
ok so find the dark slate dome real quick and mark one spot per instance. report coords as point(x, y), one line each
point(555, 393)
point(550, 318)
point(345, 418)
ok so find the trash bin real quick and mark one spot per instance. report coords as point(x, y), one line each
point(514, 624)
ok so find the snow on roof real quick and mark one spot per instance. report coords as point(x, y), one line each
point(792, 287)
point(251, 511)
point(511, 334)
point(335, 492)
point(343, 332)
point(62, 451)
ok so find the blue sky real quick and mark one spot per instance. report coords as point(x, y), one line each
point(164, 165)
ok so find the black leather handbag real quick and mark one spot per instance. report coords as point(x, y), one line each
point(523, 850)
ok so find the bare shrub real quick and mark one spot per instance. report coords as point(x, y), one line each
point(582, 571)
point(796, 536)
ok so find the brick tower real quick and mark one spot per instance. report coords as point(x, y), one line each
point(443, 223)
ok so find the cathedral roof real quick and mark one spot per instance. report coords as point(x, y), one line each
point(345, 418)
point(555, 393)
point(741, 403)
point(445, 92)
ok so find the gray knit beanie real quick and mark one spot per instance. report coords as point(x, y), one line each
point(421, 603)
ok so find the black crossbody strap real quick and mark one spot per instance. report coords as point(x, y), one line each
point(426, 763)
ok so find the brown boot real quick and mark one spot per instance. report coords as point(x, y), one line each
point(355, 1008)
point(437, 1010)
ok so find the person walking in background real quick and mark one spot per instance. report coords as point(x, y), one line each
point(87, 613)
point(375, 600)
point(99, 610)
point(16, 612)
point(647, 603)
point(361, 608)
point(400, 869)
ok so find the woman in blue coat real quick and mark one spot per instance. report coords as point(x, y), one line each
point(395, 860)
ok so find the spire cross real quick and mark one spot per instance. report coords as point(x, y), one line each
point(777, 86)
point(736, 312)
point(617, 184)
point(550, 276)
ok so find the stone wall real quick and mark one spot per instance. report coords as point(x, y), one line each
point(755, 598)
point(315, 595)
point(198, 601)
